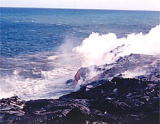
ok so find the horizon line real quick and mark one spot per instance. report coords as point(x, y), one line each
point(80, 8)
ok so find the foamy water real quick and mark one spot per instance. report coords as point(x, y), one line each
point(44, 78)
point(43, 75)
point(101, 49)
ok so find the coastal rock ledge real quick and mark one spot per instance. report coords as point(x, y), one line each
point(119, 101)
point(108, 98)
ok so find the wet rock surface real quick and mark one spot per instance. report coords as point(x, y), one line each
point(126, 101)
point(120, 101)
point(144, 67)
point(108, 98)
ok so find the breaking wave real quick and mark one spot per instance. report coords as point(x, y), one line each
point(101, 49)
point(37, 77)
point(44, 75)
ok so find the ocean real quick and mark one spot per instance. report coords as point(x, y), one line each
point(38, 47)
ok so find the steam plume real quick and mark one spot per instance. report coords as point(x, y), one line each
point(101, 49)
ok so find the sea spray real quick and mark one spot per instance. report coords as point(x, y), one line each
point(54, 70)
point(101, 49)
point(60, 66)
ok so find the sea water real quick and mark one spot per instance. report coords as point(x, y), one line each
point(37, 46)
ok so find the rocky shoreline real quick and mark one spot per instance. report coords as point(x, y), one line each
point(101, 100)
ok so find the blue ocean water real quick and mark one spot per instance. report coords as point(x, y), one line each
point(34, 41)
point(34, 30)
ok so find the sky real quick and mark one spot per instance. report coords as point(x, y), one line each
point(85, 4)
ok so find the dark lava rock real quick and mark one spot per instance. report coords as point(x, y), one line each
point(107, 98)
point(144, 67)
point(42, 111)
point(119, 101)
point(126, 101)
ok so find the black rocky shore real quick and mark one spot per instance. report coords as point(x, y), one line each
point(108, 98)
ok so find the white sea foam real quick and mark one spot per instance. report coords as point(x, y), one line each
point(41, 75)
point(100, 49)
point(95, 50)
point(50, 85)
